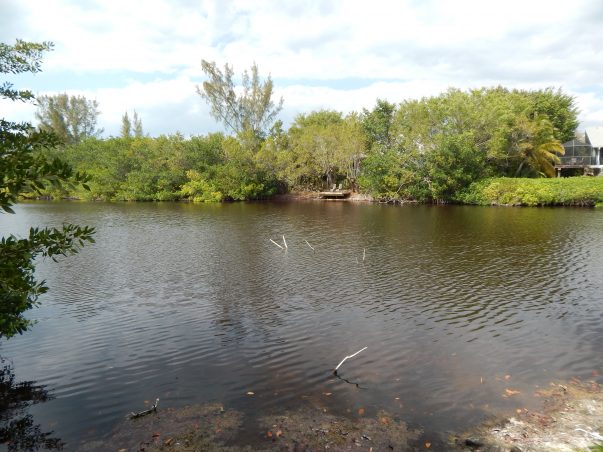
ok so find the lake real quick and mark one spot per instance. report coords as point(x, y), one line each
point(194, 304)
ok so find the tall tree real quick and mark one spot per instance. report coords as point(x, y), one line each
point(251, 111)
point(71, 118)
point(24, 168)
point(315, 140)
point(126, 126)
point(138, 133)
point(352, 146)
point(377, 123)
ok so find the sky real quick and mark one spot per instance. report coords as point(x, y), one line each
point(145, 55)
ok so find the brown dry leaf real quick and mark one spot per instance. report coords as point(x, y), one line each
point(397, 398)
point(250, 393)
point(481, 380)
point(168, 441)
point(427, 445)
point(594, 373)
point(146, 402)
point(279, 433)
point(327, 393)
point(511, 392)
point(269, 434)
point(384, 420)
point(507, 377)
point(361, 411)
point(122, 450)
point(518, 410)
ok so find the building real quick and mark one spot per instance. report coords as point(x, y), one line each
point(583, 154)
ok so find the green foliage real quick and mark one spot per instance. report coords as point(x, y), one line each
point(138, 132)
point(438, 146)
point(557, 107)
point(571, 191)
point(19, 58)
point(325, 148)
point(252, 111)
point(377, 123)
point(70, 118)
point(211, 168)
point(19, 290)
point(24, 169)
point(126, 126)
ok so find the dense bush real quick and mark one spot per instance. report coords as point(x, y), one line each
point(571, 191)
point(426, 150)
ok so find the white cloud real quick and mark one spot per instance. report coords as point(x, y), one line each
point(401, 49)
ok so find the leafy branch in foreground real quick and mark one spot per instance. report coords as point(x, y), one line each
point(19, 291)
point(25, 169)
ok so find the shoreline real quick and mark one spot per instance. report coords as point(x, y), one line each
point(570, 419)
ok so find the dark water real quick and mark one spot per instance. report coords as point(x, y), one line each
point(192, 303)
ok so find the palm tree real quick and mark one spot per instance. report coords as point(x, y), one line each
point(535, 146)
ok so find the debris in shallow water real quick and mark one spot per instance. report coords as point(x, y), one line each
point(510, 392)
point(346, 358)
point(153, 409)
point(276, 244)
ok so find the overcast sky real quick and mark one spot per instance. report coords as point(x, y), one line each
point(343, 55)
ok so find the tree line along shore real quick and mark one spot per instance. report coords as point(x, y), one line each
point(484, 146)
point(481, 146)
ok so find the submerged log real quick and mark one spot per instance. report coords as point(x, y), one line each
point(153, 409)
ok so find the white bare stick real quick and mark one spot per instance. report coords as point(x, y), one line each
point(363, 254)
point(309, 245)
point(277, 244)
point(348, 357)
point(285, 242)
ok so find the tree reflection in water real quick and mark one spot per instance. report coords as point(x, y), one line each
point(18, 431)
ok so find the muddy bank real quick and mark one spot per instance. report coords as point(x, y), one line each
point(211, 428)
point(571, 419)
point(198, 427)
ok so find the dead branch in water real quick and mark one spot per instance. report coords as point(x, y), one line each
point(277, 244)
point(153, 409)
point(346, 358)
point(285, 242)
point(309, 245)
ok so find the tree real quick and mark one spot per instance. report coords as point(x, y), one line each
point(351, 148)
point(559, 108)
point(24, 168)
point(71, 118)
point(138, 133)
point(252, 111)
point(315, 142)
point(377, 123)
point(133, 127)
point(536, 147)
point(126, 126)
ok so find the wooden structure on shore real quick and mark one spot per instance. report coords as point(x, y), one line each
point(335, 193)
